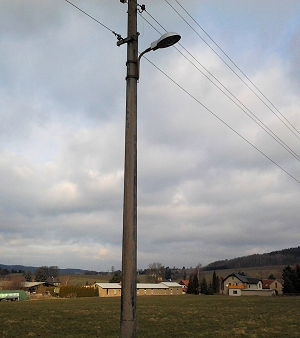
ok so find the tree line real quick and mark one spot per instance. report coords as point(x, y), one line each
point(199, 285)
point(5, 272)
point(156, 272)
point(42, 273)
point(282, 257)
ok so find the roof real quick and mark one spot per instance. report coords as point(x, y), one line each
point(31, 284)
point(184, 282)
point(267, 283)
point(244, 278)
point(109, 285)
point(151, 286)
point(171, 284)
point(138, 285)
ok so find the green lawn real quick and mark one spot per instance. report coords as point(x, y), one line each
point(158, 316)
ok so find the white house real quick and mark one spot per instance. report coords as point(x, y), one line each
point(239, 284)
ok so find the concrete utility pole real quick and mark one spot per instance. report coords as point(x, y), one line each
point(129, 249)
point(129, 244)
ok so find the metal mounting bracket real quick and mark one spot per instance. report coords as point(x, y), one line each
point(126, 40)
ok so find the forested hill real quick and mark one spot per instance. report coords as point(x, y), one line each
point(282, 257)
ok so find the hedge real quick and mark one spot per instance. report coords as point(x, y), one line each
point(69, 291)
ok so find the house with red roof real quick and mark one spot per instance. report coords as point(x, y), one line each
point(273, 284)
point(185, 284)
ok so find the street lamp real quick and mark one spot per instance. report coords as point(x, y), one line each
point(129, 243)
point(166, 40)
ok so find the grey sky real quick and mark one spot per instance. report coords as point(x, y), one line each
point(203, 192)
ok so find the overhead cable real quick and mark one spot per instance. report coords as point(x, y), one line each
point(91, 17)
point(253, 117)
point(288, 124)
point(226, 124)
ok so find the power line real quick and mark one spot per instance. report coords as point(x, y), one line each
point(91, 17)
point(255, 118)
point(193, 97)
point(289, 123)
point(226, 124)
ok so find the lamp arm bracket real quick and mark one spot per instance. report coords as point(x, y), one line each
point(135, 76)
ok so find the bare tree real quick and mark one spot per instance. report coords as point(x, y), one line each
point(156, 272)
point(16, 283)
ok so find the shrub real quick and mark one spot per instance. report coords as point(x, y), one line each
point(69, 291)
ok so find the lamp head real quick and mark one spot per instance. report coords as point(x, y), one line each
point(166, 40)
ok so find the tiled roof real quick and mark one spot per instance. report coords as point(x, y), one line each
point(267, 283)
point(244, 278)
point(184, 282)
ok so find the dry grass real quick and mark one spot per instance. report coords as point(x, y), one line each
point(158, 316)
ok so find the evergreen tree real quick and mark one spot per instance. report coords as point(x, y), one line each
point(196, 284)
point(215, 283)
point(183, 273)
point(28, 276)
point(291, 279)
point(210, 290)
point(168, 273)
point(203, 287)
point(116, 278)
point(271, 276)
point(40, 275)
point(297, 279)
point(191, 287)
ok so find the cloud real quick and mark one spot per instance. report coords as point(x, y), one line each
point(204, 193)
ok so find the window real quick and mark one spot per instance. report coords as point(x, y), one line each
point(234, 292)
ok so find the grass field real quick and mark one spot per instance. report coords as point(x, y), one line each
point(158, 316)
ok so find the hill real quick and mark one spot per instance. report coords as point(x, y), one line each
point(275, 258)
point(33, 269)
